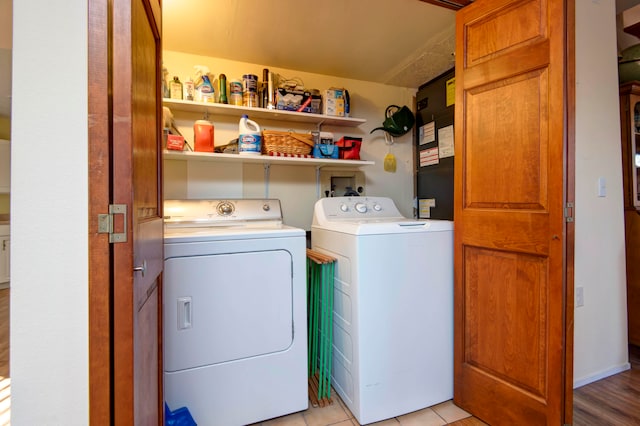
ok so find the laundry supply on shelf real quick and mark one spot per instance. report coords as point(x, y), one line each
point(235, 92)
point(222, 88)
point(203, 136)
point(188, 90)
point(250, 90)
point(203, 85)
point(249, 137)
point(176, 88)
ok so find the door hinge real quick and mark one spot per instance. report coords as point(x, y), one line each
point(106, 223)
point(568, 212)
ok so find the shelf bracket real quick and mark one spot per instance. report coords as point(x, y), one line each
point(318, 182)
point(320, 125)
point(267, 172)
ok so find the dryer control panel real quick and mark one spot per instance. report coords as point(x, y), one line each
point(221, 211)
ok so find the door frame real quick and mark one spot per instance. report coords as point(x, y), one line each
point(100, 257)
point(102, 380)
point(569, 185)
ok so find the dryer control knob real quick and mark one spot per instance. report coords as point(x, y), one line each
point(377, 207)
point(361, 208)
point(266, 207)
point(225, 208)
point(344, 207)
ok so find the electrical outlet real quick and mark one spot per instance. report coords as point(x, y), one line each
point(579, 296)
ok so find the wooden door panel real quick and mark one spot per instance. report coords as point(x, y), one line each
point(512, 285)
point(507, 138)
point(510, 138)
point(147, 349)
point(515, 26)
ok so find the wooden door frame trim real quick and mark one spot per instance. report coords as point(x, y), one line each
point(569, 239)
point(100, 265)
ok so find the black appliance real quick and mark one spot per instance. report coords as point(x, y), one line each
point(434, 178)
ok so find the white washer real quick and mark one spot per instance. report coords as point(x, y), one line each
point(393, 305)
point(235, 338)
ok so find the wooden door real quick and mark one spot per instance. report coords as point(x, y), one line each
point(125, 170)
point(510, 235)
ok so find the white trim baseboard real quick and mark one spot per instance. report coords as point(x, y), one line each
point(603, 374)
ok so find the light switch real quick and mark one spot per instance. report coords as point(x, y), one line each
point(602, 187)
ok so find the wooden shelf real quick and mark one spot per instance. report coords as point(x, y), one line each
point(262, 159)
point(261, 113)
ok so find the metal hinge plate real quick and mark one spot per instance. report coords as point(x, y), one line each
point(106, 223)
point(568, 212)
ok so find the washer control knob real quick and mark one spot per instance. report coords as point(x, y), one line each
point(266, 207)
point(225, 208)
point(377, 207)
point(344, 207)
point(361, 207)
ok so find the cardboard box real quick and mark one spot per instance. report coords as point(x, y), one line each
point(298, 100)
point(333, 102)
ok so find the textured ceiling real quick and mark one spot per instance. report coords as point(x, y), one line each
point(398, 42)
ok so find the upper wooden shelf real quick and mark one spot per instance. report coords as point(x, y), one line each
point(262, 113)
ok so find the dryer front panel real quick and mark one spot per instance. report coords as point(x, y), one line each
point(225, 307)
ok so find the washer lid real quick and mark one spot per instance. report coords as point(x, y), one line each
point(369, 215)
point(391, 226)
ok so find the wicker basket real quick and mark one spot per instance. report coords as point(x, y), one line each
point(286, 142)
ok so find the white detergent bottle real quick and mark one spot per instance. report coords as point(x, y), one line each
point(249, 137)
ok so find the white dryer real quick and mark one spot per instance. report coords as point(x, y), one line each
point(393, 305)
point(235, 339)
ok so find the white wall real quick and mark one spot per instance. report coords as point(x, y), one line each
point(600, 347)
point(49, 284)
point(295, 186)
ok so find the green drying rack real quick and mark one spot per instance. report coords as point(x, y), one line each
point(320, 273)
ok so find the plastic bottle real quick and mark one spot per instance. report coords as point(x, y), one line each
point(203, 136)
point(204, 88)
point(166, 93)
point(249, 137)
point(222, 89)
point(176, 88)
point(188, 90)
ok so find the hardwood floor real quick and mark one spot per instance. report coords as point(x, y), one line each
point(4, 333)
point(5, 381)
point(614, 400)
point(611, 401)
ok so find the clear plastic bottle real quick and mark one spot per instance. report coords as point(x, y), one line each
point(249, 137)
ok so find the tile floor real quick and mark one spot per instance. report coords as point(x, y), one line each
point(337, 414)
